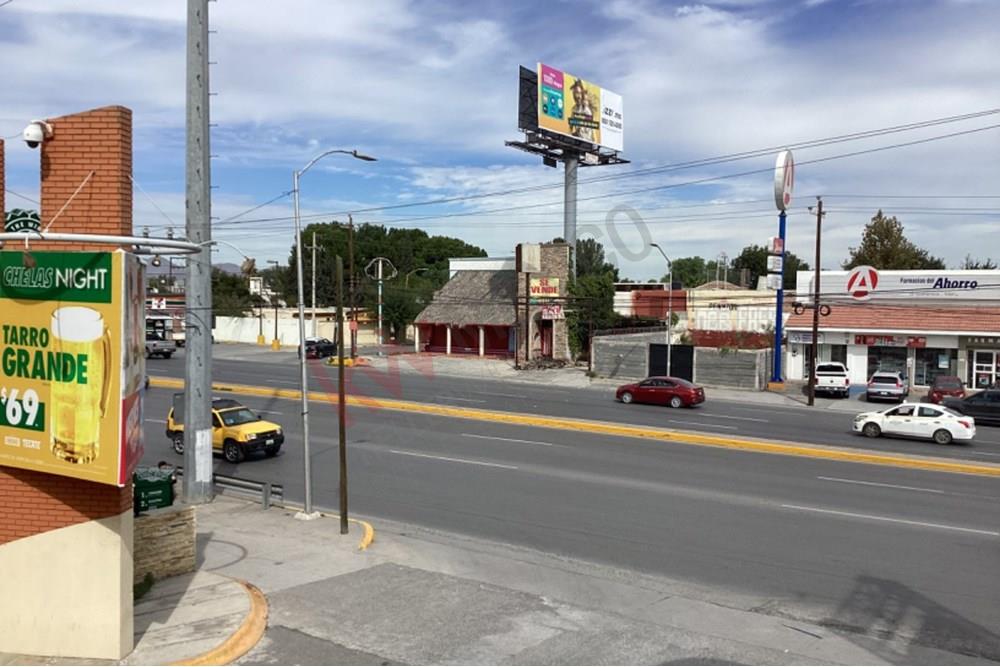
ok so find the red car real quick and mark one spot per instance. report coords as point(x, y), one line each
point(675, 392)
point(945, 385)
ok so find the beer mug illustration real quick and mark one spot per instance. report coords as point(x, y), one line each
point(78, 407)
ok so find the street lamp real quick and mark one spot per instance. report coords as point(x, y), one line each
point(406, 282)
point(307, 512)
point(275, 345)
point(670, 302)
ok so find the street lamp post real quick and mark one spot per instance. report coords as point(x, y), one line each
point(406, 282)
point(275, 345)
point(670, 303)
point(307, 512)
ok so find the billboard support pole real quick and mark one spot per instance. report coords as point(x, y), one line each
point(569, 211)
point(779, 306)
point(197, 480)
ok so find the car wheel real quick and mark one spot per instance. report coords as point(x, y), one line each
point(867, 397)
point(676, 402)
point(177, 442)
point(871, 430)
point(271, 451)
point(148, 353)
point(942, 436)
point(232, 451)
point(167, 355)
point(627, 397)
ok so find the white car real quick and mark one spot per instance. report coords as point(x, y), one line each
point(917, 420)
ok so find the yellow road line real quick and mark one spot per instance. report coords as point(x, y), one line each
point(622, 430)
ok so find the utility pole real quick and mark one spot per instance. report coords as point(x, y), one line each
point(352, 286)
point(197, 480)
point(816, 292)
point(341, 396)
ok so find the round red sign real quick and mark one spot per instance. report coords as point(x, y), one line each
point(861, 282)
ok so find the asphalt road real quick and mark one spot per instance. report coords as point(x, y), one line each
point(894, 552)
point(721, 417)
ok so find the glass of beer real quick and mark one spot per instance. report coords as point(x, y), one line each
point(78, 408)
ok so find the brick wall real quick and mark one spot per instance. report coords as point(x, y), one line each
point(555, 264)
point(164, 542)
point(98, 141)
point(34, 502)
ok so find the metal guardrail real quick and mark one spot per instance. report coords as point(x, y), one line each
point(266, 491)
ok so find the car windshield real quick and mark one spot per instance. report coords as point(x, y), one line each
point(947, 383)
point(237, 416)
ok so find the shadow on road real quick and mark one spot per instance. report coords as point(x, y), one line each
point(882, 610)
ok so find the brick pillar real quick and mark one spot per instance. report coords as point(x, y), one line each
point(69, 540)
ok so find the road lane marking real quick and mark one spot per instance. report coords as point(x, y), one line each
point(618, 429)
point(496, 393)
point(744, 419)
point(984, 454)
point(888, 486)
point(888, 519)
point(680, 421)
point(157, 421)
point(453, 460)
point(459, 398)
point(526, 442)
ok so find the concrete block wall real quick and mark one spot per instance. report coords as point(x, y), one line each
point(164, 542)
point(739, 369)
point(626, 360)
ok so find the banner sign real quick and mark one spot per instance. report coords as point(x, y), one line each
point(544, 288)
point(72, 363)
point(573, 107)
point(868, 284)
point(553, 312)
point(889, 340)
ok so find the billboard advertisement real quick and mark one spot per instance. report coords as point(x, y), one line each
point(573, 107)
point(72, 363)
point(869, 284)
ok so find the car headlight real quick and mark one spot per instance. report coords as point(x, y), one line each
point(248, 436)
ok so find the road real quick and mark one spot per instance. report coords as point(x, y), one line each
point(894, 552)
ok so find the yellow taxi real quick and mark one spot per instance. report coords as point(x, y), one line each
point(236, 430)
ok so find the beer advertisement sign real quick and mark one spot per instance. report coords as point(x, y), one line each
point(71, 363)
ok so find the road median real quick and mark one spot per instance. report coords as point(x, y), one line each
point(804, 450)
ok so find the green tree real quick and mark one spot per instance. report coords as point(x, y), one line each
point(971, 264)
point(688, 271)
point(590, 259)
point(884, 247)
point(230, 294)
point(754, 259)
point(593, 304)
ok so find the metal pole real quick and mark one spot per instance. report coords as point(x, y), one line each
point(275, 321)
point(314, 286)
point(341, 396)
point(197, 485)
point(307, 512)
point(816, 293)
point(380, 306)
point(569, 212)
point(527, 317)
point(670, 313)
point(353, 287)
point(780, 305)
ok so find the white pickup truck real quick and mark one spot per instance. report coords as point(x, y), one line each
point(832, 378)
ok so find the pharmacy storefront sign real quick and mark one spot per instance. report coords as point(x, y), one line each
point(71, 363)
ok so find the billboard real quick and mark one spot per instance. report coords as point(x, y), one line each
point(72, 363)
point(868, 284)
point(573, 107)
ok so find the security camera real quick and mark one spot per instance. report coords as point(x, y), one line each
point(37, 132)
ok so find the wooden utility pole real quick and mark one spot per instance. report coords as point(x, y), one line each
point(352, 286)
point(816, 294)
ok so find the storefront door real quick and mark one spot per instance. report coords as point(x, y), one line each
point(983, 369)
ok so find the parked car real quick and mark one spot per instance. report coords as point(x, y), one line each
point(917, 420)
point(319, 348)
point(946, 385)
point(675, 392)
point(236, 430)
point(832, 378)
point(158, 347)
point(984, 406)
point(891, 386)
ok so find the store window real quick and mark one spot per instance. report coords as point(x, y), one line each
point(934, 361)
point(886, 359)
point(983, 370)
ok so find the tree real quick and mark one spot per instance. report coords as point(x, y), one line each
point(230, 294)
point(593, 303)
point(976, 265)
point(688, 271)
point(590, 259)
point(884, 247)
point(754, 259)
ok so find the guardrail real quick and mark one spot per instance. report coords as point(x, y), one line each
point(266, 491)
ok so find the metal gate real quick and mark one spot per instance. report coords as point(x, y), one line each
point(681, 360)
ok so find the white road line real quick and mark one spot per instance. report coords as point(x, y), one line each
point(459, 398)
point(991, 533)
point(745, 419)
point(157, 421)
point(984, 454)
point(496, 393)
point(526, 442)
point(678, 421)
point(447, 458)
point(888, 486)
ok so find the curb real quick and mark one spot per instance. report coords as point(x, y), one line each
point(804, 450)
point(245, 638)
point(369, 535)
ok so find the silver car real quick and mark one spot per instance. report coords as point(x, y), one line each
point(885, 386)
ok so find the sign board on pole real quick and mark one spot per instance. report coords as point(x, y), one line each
point(776, 246)
point(784, 180)
point(553, 312)
point(572, 107)
point(774, 263)
point(773, 281)
point(72, 364)
point(528, 258)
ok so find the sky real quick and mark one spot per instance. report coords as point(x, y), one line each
point(431, 90)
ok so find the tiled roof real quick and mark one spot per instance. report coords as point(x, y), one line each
point(473, 297)
point(875, 317)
